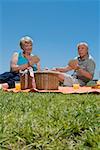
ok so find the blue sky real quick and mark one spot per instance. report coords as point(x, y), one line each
point(56, 27)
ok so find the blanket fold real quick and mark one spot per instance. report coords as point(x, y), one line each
point(64, 90)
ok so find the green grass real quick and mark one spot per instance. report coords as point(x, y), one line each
point(49, 121)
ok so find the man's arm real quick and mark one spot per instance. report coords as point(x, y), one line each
point(84, 73)
point(90, 70)
point(64, 69)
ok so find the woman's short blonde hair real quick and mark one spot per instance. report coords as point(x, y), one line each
point(25, 39)
point(82, 43)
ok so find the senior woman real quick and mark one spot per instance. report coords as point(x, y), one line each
point(20, 61)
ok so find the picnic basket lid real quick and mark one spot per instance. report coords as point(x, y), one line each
point(47, 72)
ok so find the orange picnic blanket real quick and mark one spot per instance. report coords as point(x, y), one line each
point(64, 90)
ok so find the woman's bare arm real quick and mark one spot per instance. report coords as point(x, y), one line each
point(14, 66)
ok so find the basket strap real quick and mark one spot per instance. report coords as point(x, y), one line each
point(26, 81)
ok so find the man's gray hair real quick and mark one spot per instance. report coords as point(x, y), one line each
point(83, 43)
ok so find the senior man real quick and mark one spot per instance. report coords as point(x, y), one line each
point(83, 66)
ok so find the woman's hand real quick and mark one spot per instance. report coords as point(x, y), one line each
point(33, 60)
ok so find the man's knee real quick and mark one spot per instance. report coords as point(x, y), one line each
point(61, 77)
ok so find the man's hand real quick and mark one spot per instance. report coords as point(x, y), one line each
point(73, 64)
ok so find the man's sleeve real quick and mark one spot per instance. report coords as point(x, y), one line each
point(91, 66)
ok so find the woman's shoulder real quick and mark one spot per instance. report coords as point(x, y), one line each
point(17, 52)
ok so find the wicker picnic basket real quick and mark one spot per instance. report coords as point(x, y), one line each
point(26, 81)
point(46, 80)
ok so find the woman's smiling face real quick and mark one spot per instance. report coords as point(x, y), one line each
point(27, 47)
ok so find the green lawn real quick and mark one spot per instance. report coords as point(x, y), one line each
point(49, 121)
